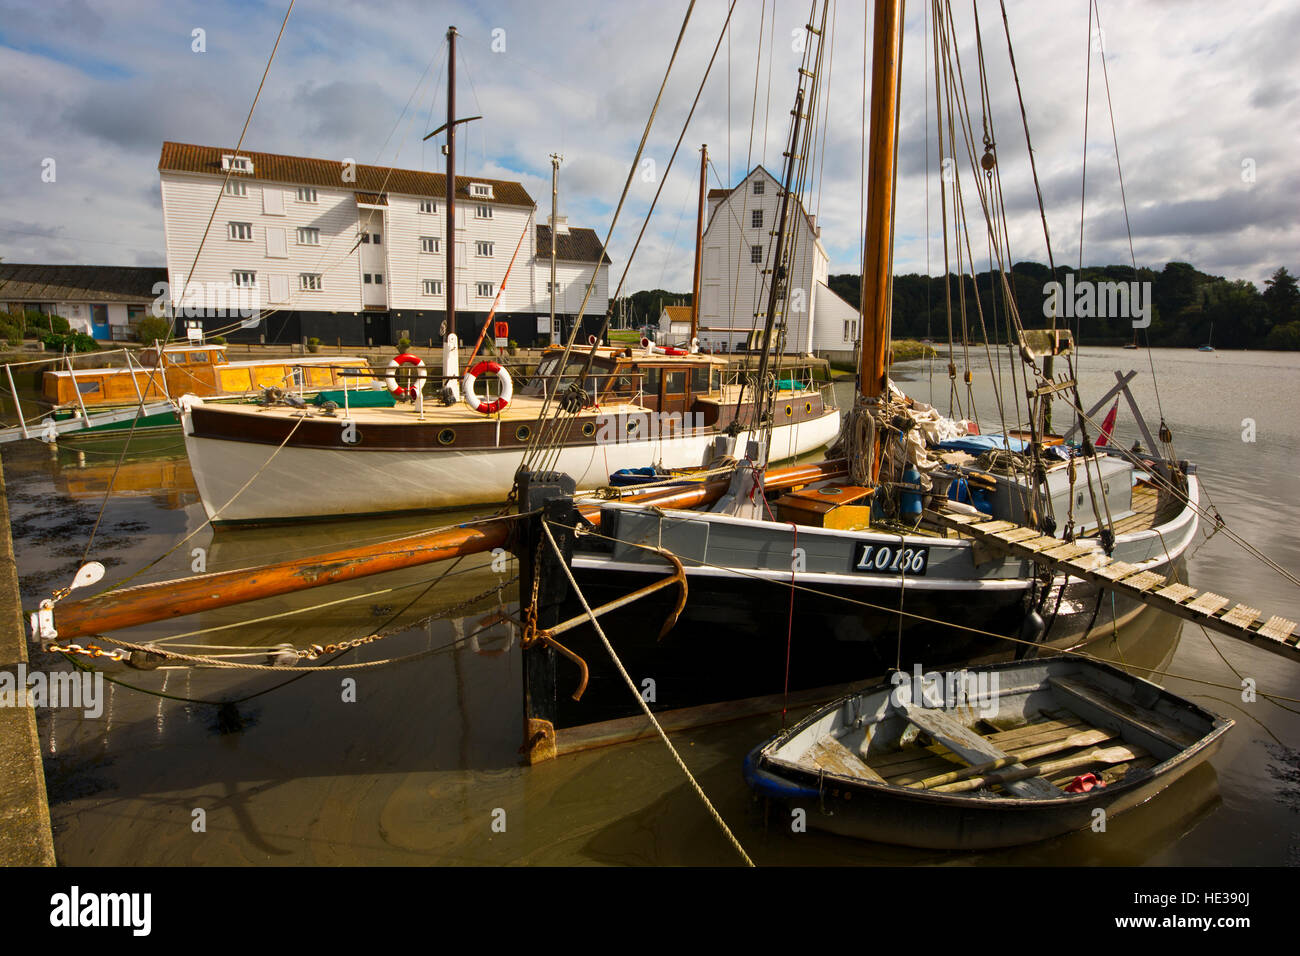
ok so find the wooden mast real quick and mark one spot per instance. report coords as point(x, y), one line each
point(878, 256)
point(699, 252)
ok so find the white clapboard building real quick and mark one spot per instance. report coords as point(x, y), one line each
point(357, 254)
point(734, 280)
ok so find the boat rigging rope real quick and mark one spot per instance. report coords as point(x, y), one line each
point(554, 430)
point(595, 623)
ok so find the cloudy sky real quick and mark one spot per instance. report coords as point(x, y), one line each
point(1204, 98)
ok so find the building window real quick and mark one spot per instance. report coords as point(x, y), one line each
point(759, 186)
point(756, 254)
point(244, 280)
point(483, 248)
point(309, 281)
point(366, 278)
point(240, 230)
point(429, 244)
point(240, 164)
point(482, 212)
point(426, 205)
point(557, 288)
point(379, 278)
point(375, 237)
point(756, 219)
point(306, 194)
point(485, 290)
point(432, 287)
point(480, 189)
point(234, 188)
point(308, 236)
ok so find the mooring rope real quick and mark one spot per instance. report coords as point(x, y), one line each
point(717, 817)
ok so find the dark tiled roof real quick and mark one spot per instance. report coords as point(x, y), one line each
point(37, 283)
point(271, 167)
point(580, 245)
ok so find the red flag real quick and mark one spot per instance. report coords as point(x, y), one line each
point(1108, 425)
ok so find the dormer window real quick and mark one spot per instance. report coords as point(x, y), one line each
point(481, 190)
point(240, 164)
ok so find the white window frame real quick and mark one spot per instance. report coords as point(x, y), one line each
point(760, 186)
point(484, 249)
point(430, 245)
point(239, 231)
point(756, 219)
point(756, 255)
point(309, 282)
point(432, 287)
point(237, 188)
point(491, 290)
point(240, 164)
point(308, 236)
point(307, 194)
point(480, 190)
point(482, 211)
point(428, 207)
point(239, 275)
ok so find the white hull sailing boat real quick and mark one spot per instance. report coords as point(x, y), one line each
point(642, 408)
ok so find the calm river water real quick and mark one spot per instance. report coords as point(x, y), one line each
point(422, 764)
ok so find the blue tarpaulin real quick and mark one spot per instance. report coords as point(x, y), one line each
point(978, 444)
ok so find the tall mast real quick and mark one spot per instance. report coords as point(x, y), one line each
point(555, 212)
point(451, 179)
point(878, 256)
point(699, 251)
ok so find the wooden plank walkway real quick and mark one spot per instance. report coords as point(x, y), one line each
point(1084, 559)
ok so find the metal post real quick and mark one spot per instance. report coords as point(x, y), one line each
point(85, 415)
point(18, 405)
point(555, 205)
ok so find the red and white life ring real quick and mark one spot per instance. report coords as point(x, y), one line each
point(506, 388)
point(406, 358)
point(652, 349)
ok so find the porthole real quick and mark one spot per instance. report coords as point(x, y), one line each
point(631, 426)
point(588, 429)
point(789, 411)
point(446, 436)
point(807, 407)
point(523, 433)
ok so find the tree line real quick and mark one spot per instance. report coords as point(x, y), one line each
point(1185, 305)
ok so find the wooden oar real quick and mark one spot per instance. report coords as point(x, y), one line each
point(1083, 739)
point(1109, 755)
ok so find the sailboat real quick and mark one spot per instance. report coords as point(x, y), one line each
point(891, 555)
point(1208, 346)
point(646, 407)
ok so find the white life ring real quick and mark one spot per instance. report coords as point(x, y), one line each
point(505, 385)
point(406, 358)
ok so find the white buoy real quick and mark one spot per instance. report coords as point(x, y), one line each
point(451, 365)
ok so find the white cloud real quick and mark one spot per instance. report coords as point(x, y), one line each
point(1197, 87)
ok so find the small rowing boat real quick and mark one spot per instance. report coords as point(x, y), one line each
point(988, 757)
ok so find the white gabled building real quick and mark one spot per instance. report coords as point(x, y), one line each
point(578, 253)
point(105, 302)
point(347, 252)
point(738, 246)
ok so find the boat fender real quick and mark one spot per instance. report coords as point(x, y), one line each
point(1033, 627)
point(406, 358)
point(507, 388)
point(911, 501)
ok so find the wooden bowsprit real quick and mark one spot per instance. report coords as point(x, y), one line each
point(1085, 560)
